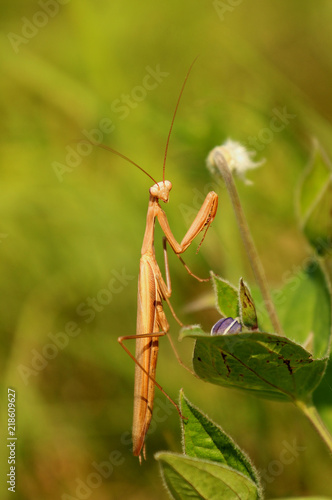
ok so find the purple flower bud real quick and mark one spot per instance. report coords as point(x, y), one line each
point(226, 325)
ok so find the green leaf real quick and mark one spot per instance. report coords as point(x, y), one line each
point(227, 300)
point(315, 202)
point(192, 331)
point(189, 478)
point(264, 364)
point(206, 440)
point(247, 307)
point(304, 306)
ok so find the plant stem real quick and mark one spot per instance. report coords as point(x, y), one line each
point(220, 162)
point(310, 411)
point(326, 266)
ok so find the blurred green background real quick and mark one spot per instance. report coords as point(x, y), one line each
point(67, 67)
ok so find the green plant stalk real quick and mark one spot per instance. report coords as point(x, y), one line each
point(326, 265)
point(221, 164)
point(310, 411)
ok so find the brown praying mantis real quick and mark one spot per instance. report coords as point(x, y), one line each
point(153, 290)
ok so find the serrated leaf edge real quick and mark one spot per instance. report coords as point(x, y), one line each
point(198, 460)
point(236, 446)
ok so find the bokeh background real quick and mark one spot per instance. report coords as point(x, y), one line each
point(71, 224)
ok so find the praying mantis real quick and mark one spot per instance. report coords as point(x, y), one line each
point(153, 291)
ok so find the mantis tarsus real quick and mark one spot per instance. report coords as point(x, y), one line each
point(152, 291)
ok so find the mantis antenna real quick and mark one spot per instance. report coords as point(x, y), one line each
point(174, 114)
point(114, 151)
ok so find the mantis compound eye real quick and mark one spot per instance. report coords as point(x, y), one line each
point(226, 325)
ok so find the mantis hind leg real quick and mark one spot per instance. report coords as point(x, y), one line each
point(144, 336)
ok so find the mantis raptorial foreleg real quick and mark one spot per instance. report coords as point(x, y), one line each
point(183, 263)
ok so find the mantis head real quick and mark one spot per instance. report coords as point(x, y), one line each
point(161, 190)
